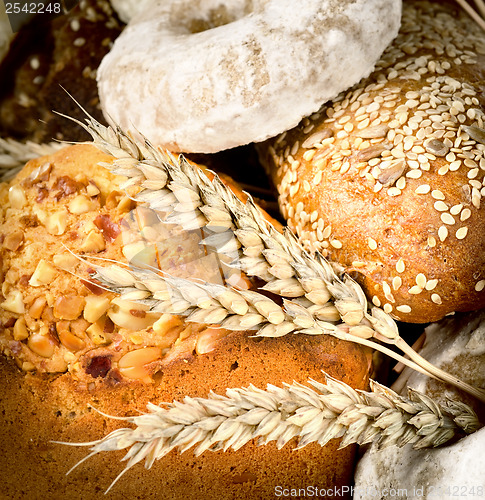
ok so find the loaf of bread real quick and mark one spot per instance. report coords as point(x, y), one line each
point(67, 345)
point(388, 179)
point(49, 58)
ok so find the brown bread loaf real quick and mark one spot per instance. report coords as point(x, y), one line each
point(77, 345)
point(388, 179)
point(49, 58)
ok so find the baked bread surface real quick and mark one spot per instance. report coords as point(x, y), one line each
point(58, 357)
point(388, 179)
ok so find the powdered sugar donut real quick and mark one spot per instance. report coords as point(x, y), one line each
point(204, 76)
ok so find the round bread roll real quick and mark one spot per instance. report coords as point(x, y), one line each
point(388, 179)
point(66, 344)
point(208, 76)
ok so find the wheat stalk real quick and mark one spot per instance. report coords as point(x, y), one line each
point(477, 13)
point(314, 413)
point(316, 300)
point(15, 154)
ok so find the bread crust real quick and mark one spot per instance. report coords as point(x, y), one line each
point(71, 360)
point(36, 410)
point(388, 179)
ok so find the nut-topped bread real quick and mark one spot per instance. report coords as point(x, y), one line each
point(78, 345)
point(388, 179)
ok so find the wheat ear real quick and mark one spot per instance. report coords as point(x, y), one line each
point(316, 300)
point(15, 154)
point(313, 413)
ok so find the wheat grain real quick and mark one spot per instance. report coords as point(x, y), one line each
point(313, 413)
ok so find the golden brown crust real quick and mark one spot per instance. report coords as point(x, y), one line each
point(388, 179)
point(127, 356)
point(53, 317)
point(36, 410)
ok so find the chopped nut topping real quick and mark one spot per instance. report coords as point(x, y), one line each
point(68, 306)
point(37, 307)
point(16, 197)
point(133, 364)
point(109, 229)
point(43, 275)
point(20, 331)
point(95, 307)
point(94, 242)
point(98, 333)
point(207, 339)
point(121, 313)
point(66, 186)
point(81, 205)
point(14, 302)
point(41, 345)
point(56, 223)
point(13, 241)
point(70, 341)
point(65, 261)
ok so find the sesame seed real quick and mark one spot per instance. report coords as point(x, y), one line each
point(327, 232)
point(441, 206)
point(437, 194)
point(421, 280)
point(447, 218)
point(387, 308)
point(436, 298)
point(461, 233)
point(423, 189)
point(336, 243)
point(372, 243)
point(401, 183)
point(318, 178)
point(75, 25)
point(400, 266)
point(442, 233)
point(34, 63)
point(431, 241)
point(376, 301)
point(396, 283)
point(414, 174)
point(431, 284)
point(404, 308)
point(473, 173)
point(394, 191)
point(456, 209)
point(465, 214)
point(415, 290)
point(386, 288)
point(480, 285)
